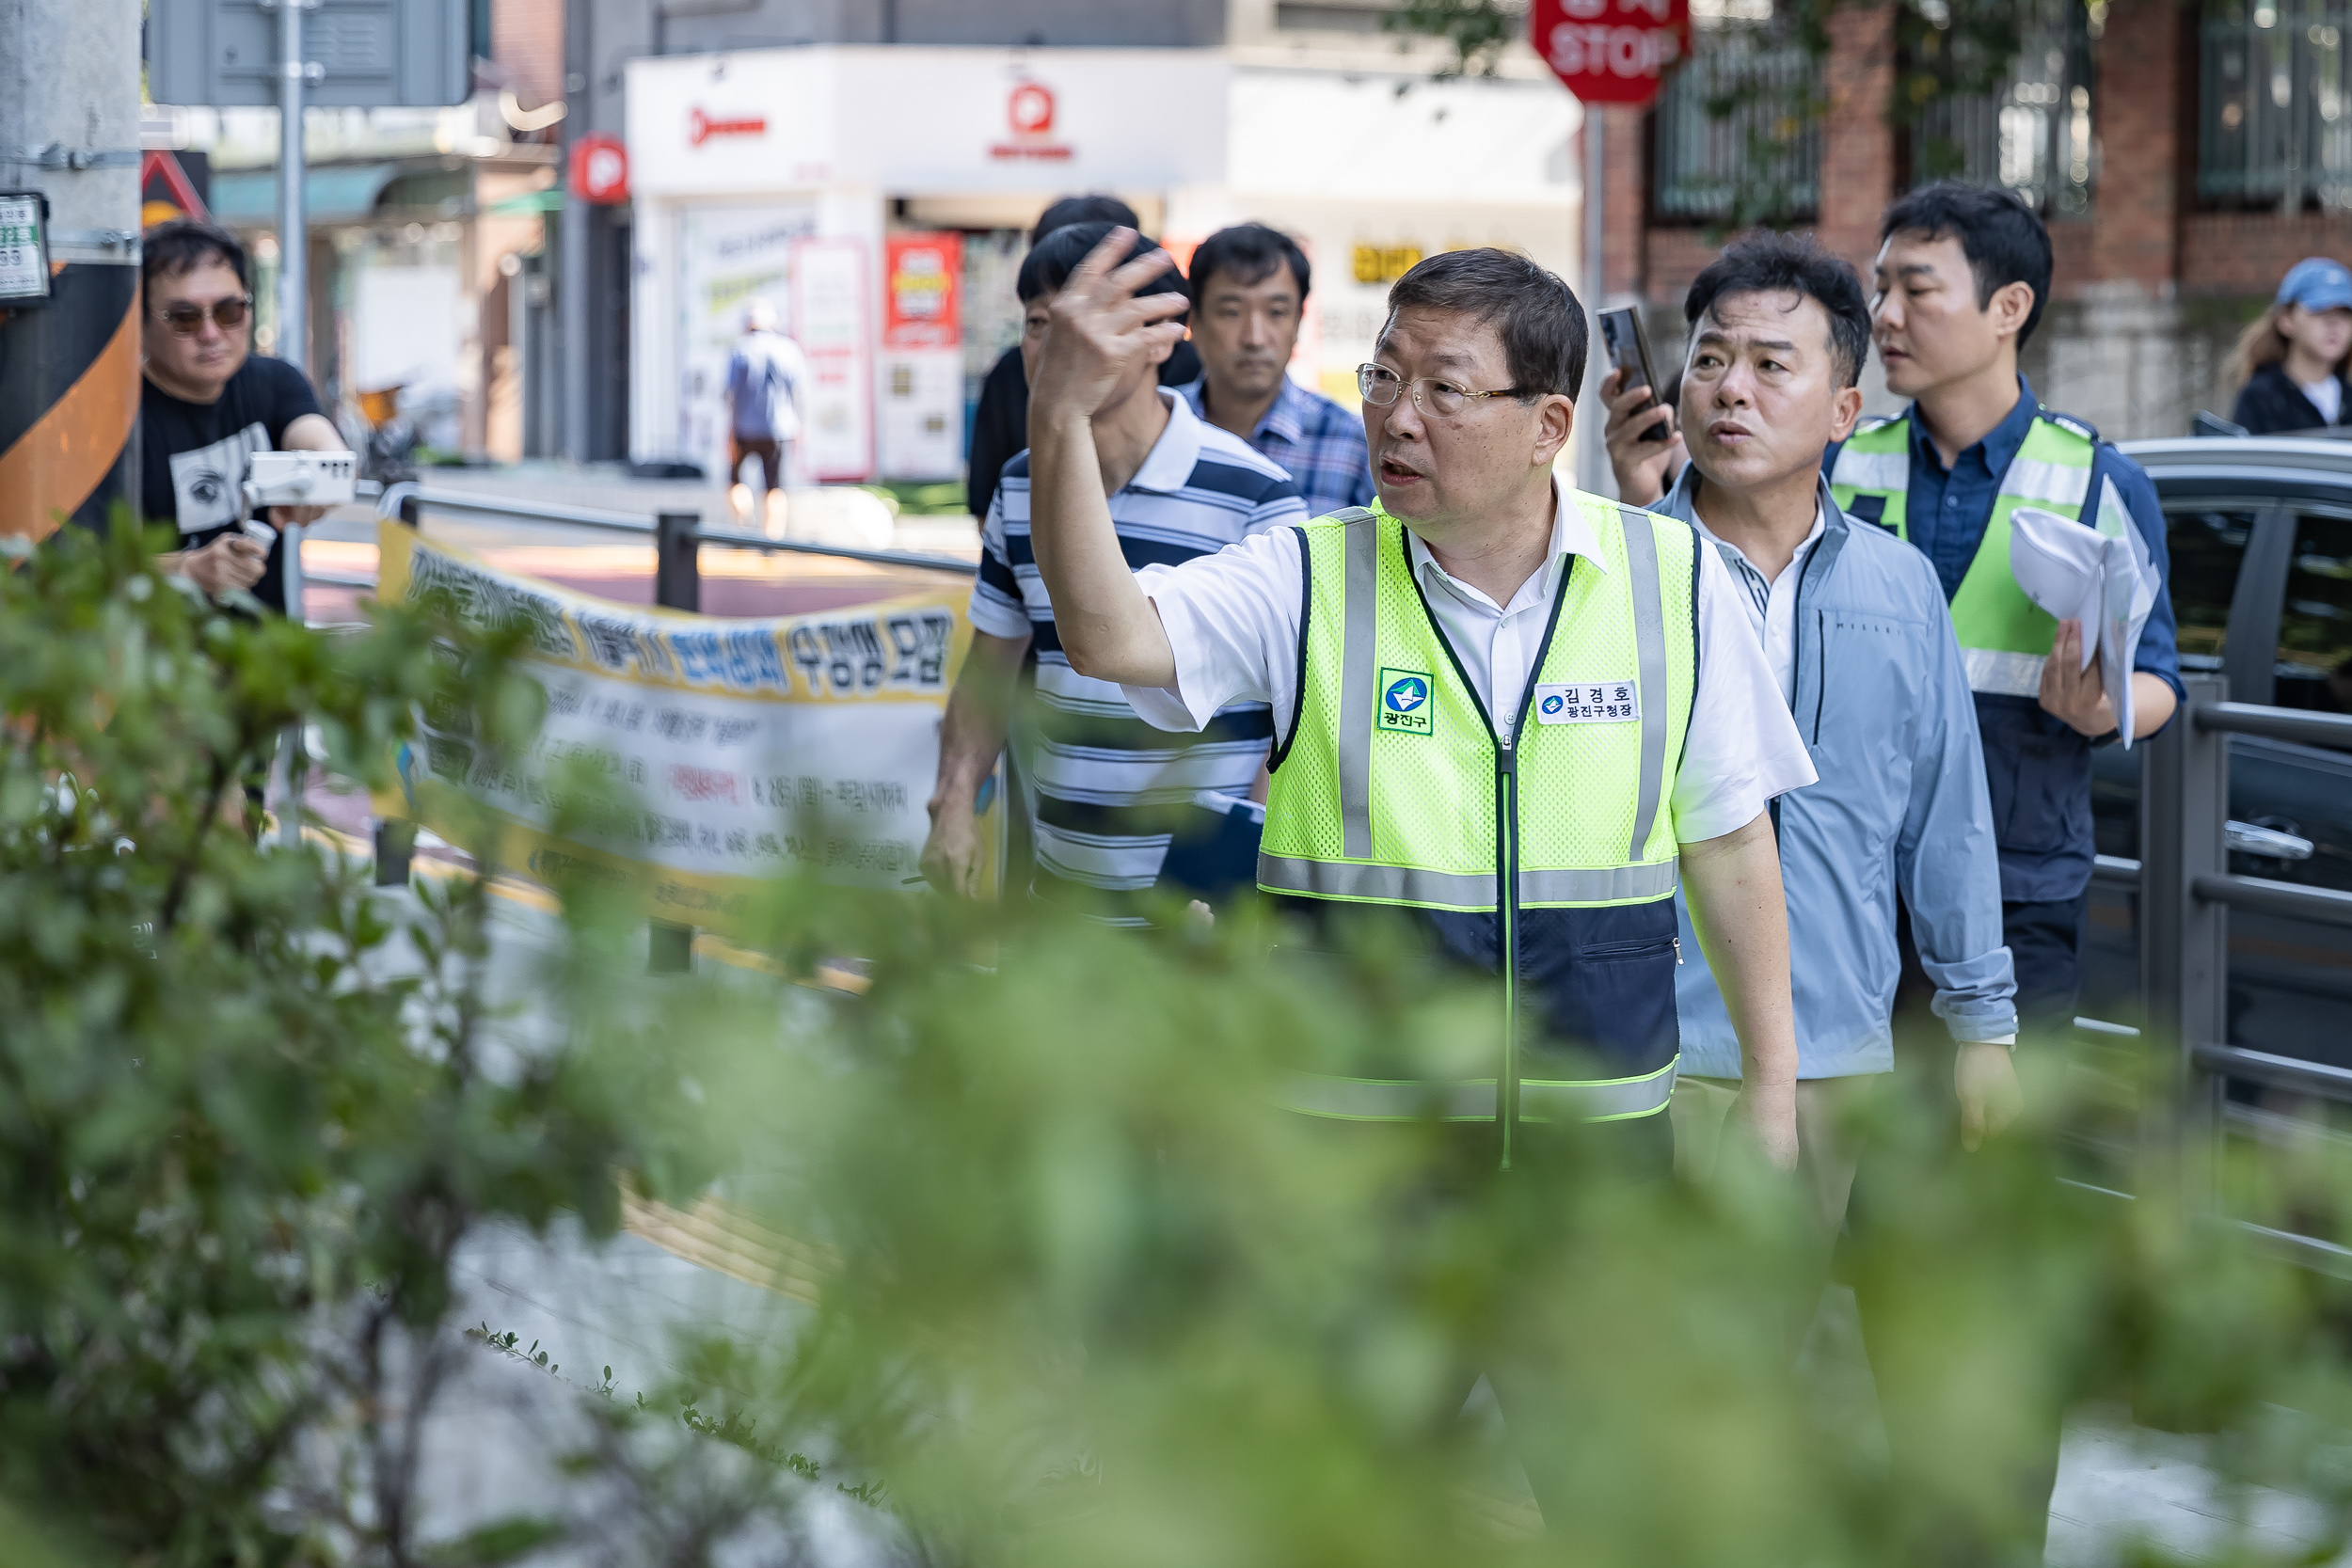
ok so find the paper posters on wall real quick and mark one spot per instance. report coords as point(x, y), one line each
point(919, 391)
point(738, 750)
point(832, 320)
point(727, 257)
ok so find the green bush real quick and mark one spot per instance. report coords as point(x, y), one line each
point(1083, 1294)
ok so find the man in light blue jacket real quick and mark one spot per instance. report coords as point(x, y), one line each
point(1854, 624)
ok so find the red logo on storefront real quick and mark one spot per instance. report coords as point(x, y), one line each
point(1031, 109)
point(600, 168)
point(700, 127)
point(1030, 113)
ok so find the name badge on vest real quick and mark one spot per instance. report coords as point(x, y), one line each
point(1588, 703)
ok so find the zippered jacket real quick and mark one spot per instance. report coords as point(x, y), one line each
point(1901, 809)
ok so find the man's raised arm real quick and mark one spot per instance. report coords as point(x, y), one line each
point(1100, 330)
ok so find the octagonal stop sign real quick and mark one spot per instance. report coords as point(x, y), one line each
point(1611, 51)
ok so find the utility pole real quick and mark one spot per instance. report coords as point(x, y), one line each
point(295, 73)
point(70, 364)
point(572, 237)
point(1593, 475)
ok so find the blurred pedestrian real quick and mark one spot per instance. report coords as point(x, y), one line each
point(1854, 624)
point(766, 377)
point(2289, 365)
point(1107, 793)
point(207, 404)
point(1249, 286)
point(1000, 421)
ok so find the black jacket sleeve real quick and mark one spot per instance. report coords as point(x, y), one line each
point(1000, 429)
point(2272, 404)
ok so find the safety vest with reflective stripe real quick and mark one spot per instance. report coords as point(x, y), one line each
point(2005, 637)
point(1548, 857)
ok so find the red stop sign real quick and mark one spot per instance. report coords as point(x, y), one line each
point(1611, 51)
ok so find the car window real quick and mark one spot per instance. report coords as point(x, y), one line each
point(2315, 626)
point(2208, 546)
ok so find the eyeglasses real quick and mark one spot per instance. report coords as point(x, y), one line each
point(1381, 386)
point(186, 320)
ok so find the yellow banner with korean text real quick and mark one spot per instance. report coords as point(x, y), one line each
point(735, 750)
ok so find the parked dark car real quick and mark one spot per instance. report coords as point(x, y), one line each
point(2260, 536)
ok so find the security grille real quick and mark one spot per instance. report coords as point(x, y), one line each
point(2272, 130)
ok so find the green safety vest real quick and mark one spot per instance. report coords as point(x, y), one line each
point(2005, 637)
point(1552, 846)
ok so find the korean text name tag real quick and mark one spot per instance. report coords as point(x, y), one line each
point(1588, 703)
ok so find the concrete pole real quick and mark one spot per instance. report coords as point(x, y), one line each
point(293, 346)
point(293, 243)
point(572, 240)
point(70, 367)
point(1592, 455)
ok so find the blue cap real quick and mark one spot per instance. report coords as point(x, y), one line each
point(2317, 283)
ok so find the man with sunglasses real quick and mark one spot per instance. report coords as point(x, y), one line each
point(207, 403)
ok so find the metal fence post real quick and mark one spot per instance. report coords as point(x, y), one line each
point(2184, 940)
point(395, 840)
point(677, 584)
point(678, 580)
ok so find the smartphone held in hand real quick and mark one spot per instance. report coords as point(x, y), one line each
point(1628, 351)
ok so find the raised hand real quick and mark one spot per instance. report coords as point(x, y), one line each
point(1645, 470)
point(1102, 326)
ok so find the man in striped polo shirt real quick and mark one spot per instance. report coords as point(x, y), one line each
point(1107, 792)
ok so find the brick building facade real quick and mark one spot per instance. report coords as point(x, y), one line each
point(2151, 284)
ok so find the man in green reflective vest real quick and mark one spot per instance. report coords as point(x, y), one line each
point(1963, 277)
point(1519, 714)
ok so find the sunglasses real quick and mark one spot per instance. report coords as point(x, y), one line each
point(186, 320)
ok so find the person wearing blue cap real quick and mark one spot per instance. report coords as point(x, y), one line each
point(2289, 364)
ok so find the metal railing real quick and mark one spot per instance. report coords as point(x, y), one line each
point(2186, 890)
point(676, 536)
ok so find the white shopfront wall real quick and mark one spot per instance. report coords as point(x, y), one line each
point(773, 172)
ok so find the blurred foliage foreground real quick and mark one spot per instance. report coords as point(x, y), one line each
point(1074, 1294)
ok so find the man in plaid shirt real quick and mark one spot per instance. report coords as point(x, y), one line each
point(1249, 284)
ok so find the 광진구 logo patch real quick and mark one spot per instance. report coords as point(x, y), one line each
point(1407, 703)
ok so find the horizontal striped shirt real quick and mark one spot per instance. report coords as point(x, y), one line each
point(1318, 443)
point(1105, 788)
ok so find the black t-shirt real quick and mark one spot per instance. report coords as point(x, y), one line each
point(193, 456)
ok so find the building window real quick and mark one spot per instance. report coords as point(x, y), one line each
point(1734, 140)
point(2271, 127)
point(2034, 135)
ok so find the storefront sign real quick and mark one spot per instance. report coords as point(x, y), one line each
point(600, 168)
point(1029, 110)
point(701, 127)
point(919, 412)
point(737, 750)
point(920, 303)
point(1611, 51)
point(764, 121)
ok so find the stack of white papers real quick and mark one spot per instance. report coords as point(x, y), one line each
point(2101, 576)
